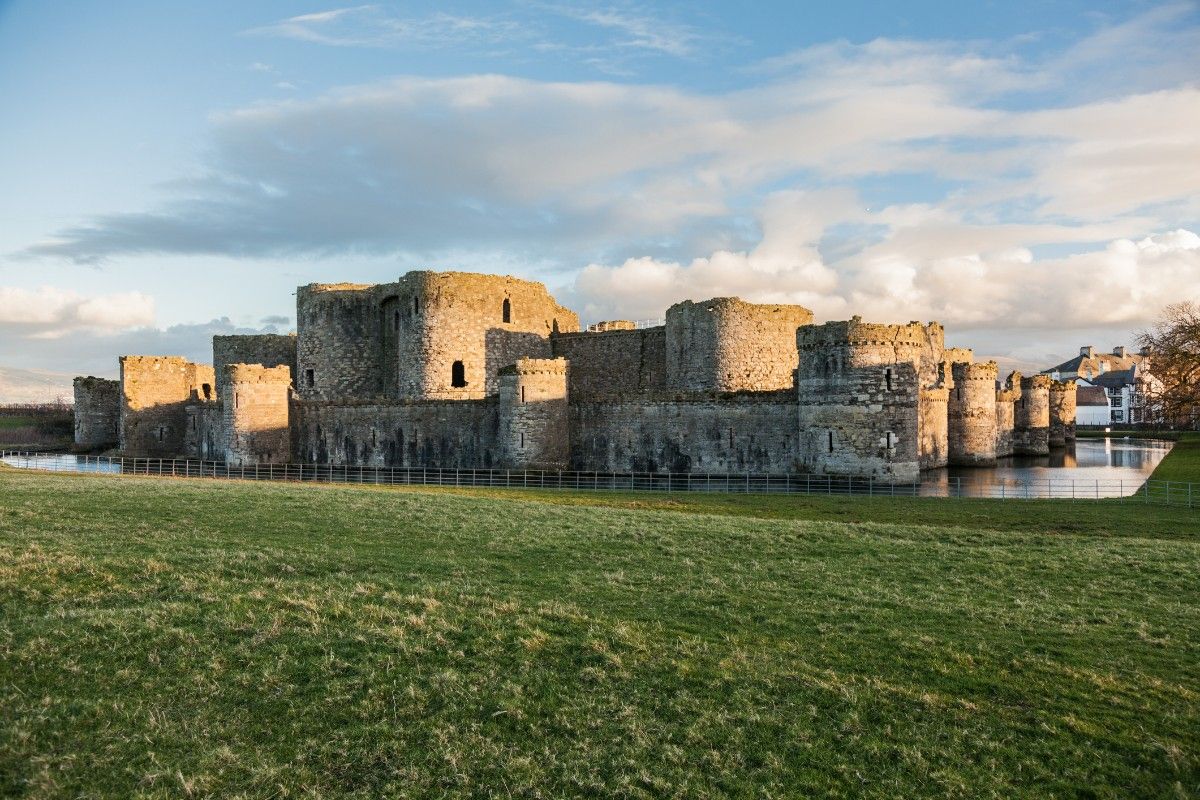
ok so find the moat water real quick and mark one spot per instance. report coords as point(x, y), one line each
point(1091, 468)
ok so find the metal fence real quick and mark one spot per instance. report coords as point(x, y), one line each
point(1143, 491)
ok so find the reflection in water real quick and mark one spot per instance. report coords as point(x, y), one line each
point(1096, 467)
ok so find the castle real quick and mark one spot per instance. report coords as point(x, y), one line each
point(460, 370)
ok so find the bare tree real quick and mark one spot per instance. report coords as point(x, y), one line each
point(1174, 347)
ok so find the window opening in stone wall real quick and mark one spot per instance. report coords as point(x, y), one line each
point(831, 441)
point(731, 437)
point(522, 394)
point(396, 321)
point(887, 376)
point(416, 306)
point(458, 375)
point(161, 433)
point(207, 389)
point(890, 438)
point(374, 438)
point(195, 424)
point(506, 311)
point(958, 393)
point(237, 400)
point(522, 438)
point(310, 378)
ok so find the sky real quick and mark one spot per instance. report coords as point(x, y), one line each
point(1026, 173)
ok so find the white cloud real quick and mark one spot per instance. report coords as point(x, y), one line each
point(373, 26)
point(49, 309)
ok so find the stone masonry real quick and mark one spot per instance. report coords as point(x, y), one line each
point(463, 371)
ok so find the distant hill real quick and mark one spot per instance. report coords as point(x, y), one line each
point(34, 386)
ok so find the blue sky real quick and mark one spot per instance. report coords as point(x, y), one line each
point(1027, 173)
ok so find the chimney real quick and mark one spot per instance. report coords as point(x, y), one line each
point(1119, 351)
point(1087, 352)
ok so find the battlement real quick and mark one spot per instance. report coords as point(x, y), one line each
point(965, 371)
point(540, 366)
point(956, 355)
point(856, 333)
point(1037, 382)
point(612, 325)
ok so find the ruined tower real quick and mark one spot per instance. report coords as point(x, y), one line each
point(255, 406)
point(1006, 398)
point(155, 392)
point(972, 414)
point(97, 412)
point(1062, 413)
point(858, 387)
point(533, 414)
point(1031, 432)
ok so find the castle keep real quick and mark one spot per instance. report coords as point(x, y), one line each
point(459, 370)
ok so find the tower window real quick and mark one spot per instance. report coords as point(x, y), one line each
point(506, 311)
point(310, 378)
point(458, 375)
point(731, 437)
point(416, 305)
point(207, 389)
point(831, 441)
point(887, 375)
point(522, 438)
point(522, 394)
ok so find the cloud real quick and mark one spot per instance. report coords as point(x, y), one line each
point(372, 26)
point(640, 31)
point(50, 311)
point(82, 351)
point(917, 266)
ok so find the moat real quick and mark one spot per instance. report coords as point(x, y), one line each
point(1090, 468)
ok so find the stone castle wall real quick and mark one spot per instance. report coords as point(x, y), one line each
point(932, 421)
point(155, 391)
point(614, 363)
point(972, 414)
point(755, 432)
point(1006, 399)
point(451, 434)
point(728, 345)
point(255, 414)
point(337, 345)
point(97, 412)
point(204, 437)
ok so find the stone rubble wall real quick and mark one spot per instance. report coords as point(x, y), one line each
point(972, 414)
point(97, 412)
point(932, 424)
point(155, 392)
point(728, 345)
point(1031, 430)
point(617, 363)
point(533, 415)
point(205, 436)
point(451, 434)
point(255, 416)
point(755, 432)
point(1062, 413)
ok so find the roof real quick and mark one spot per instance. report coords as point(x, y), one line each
point(1081, 363)
point(1090, 396)
point(1114, 380)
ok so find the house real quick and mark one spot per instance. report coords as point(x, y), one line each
point(1091, 406)
point(1122, 376)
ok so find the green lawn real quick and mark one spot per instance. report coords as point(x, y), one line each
point(168, 638)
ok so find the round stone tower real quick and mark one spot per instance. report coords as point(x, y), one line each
point(255, 400)
point(1006, 399)
point(1062, 413)
point(533, 414)
point(1031, 432)
point(337, 342)
point(972, 414)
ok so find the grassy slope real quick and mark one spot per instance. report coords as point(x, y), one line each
point(184, 637)
point(1183, 462)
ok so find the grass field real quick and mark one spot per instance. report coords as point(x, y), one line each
point(166, 638)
